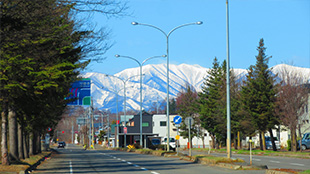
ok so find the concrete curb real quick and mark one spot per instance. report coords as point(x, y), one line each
point(34, 166)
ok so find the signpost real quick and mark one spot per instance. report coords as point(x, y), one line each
point(189, 121)
point(177, 120)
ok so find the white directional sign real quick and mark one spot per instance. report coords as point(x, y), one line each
point(177, 119)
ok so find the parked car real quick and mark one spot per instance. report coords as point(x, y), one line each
point(61, 144)
point(172, 143)
point(305, 141)
point(269, 143)
point(155, 144)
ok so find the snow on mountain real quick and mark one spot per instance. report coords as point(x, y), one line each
point(107, 90)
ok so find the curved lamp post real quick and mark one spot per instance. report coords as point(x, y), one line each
point(140, 65)
point(124, 82)
point(117, 117)
point(167, 44)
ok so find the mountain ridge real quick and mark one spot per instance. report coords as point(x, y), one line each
point(104, 89)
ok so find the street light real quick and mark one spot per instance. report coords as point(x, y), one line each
point(228, 86)
point(124, 81)
point(117, 117)
point(140, 64)
point(167, 54)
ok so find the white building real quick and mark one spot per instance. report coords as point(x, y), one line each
point(160, 128)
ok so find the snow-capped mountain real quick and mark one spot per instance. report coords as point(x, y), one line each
point(107, 90)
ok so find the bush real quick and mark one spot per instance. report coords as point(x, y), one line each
point(289, 145)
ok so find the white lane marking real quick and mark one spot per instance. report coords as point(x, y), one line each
point(142, 168)
point(275, 162)
point(70, 164)
point(297, 164)
point(154, 172)
point(256, 159)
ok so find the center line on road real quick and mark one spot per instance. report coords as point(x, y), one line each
point(70, 164)
point(275, 161)
point(296, 164)
point(154, 172)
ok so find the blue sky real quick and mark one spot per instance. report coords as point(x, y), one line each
point(283, 24)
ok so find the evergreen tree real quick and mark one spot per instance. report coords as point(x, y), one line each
point(258, 94)
point(212, 99)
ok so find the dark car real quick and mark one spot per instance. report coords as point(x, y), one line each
point(61, 144)
point(305, 142)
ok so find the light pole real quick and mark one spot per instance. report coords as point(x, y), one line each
point(228, 86)
point(117, 117)
point(167, 54)
point(124, 82)
point(140, 64)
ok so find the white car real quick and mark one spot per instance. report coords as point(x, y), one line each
point(172, 143)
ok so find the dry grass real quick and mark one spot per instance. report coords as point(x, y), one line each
point(23, 164)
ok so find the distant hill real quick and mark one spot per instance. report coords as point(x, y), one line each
point(154, 84)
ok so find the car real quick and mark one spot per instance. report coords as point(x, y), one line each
point(155, 142)
point(61, 144)
point(269, 143)
point(172, 143)
point(305, 141)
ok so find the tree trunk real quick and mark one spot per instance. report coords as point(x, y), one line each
point(20, 142)
point(31, 144)
point(300, 136)
point(213, 142)
point(263, 140)
point(4, 135)
point(39, 149)
point(239, 141)
point(293, 140)
point(26, 144)
point(235, 142)
point(13, 154)
point(203, 142)
point(272, 140)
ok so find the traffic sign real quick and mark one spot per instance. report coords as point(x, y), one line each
point(189, 121)
point(177, 119)
point(49, 129)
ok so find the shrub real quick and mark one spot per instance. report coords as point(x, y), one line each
point(289, 145)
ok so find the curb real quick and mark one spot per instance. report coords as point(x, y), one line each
point(34, 166)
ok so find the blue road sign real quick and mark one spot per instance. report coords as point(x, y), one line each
point(80, 90)
point(177, 119)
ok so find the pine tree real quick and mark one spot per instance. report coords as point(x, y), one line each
point(212, 100)
point(258, 94)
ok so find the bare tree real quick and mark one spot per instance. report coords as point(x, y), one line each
point(291, 99)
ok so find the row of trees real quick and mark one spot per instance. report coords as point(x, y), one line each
point(259, 103)
point(43, 49)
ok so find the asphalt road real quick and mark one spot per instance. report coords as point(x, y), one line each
point(73, 159)
point(272, 162)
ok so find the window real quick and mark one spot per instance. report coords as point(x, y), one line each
point(145, 124)
point(163, 123)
